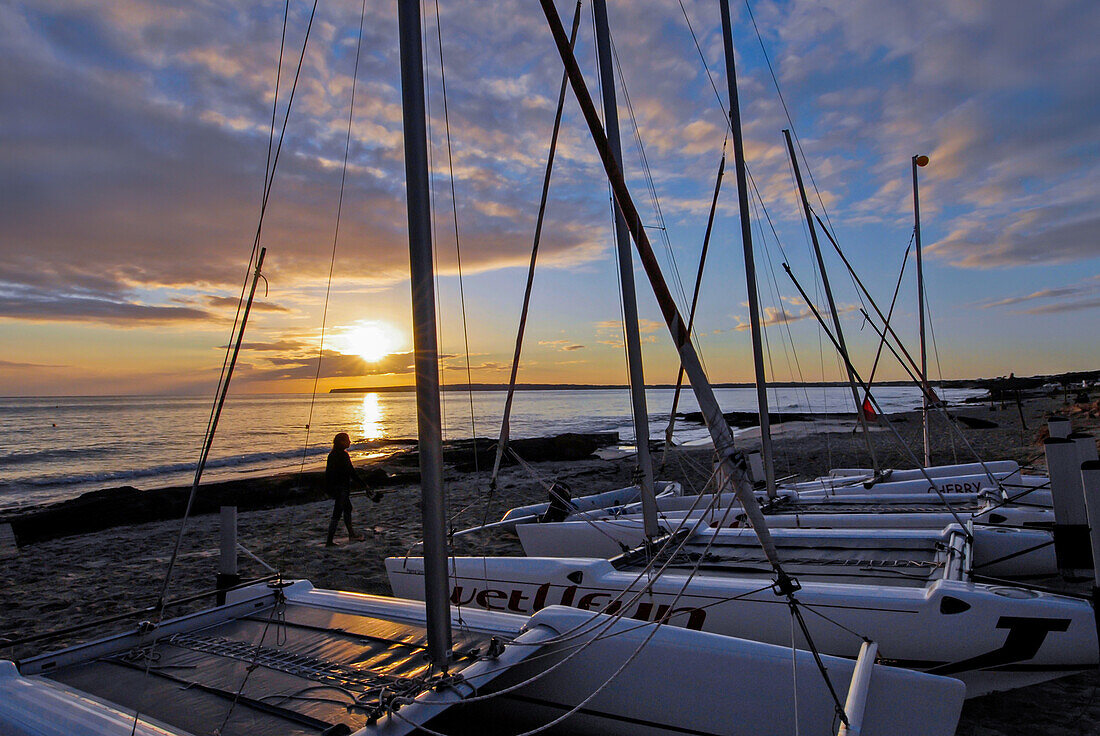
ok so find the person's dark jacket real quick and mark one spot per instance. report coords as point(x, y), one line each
point(339, 473)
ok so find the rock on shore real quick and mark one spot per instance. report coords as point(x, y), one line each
point(112, 507)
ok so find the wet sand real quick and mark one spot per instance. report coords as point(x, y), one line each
point(61, 582)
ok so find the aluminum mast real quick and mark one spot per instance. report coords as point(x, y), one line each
point(733, 461)
point(921, 161)
point(829, 296)
point(746, 241)
point(626, 277)
point(429, 431)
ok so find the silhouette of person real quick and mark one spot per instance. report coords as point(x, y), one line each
point(339, 473)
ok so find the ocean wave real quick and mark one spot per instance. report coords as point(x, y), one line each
point(54, 454)
point(255, 459)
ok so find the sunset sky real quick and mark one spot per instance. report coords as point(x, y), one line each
point(133, 136)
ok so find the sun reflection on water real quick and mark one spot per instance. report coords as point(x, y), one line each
point(372, 416)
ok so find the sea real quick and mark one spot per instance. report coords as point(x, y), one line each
point(53, 448)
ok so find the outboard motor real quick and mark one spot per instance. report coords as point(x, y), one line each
point(561, 503)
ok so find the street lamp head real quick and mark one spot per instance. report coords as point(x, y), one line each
point(921, 160)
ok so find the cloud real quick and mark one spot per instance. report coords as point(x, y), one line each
point(567, 345)
point(283, 345)
point(333, 365)
point(12, 365)
point(135, 142)
point(230, 302)
point(1072, 298)
point(32, 304)
point(1047, 235)
point(782, 316)
point(1005, 114)
point(1073, 306)
point(135, 135)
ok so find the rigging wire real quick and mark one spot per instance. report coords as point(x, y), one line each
point(890, 312)
point(706, 68)
point(786, 110)
point(223, 384)
point(789, 594)
point(648, 176)
point(939, 371)
point(502, 441)
point(612, 211)
point(241, 314)
point(336, 231)
point(440, 363)
point(331, 266)
point(243, 311)
point(752, 181)
point(782, 319)
point(268, 173)
point(783, 252)
point(458, 242)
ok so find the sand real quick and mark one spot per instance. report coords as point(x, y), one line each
point(58, 583)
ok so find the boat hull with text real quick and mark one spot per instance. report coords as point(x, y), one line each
point(326, 648)
point(993, 637)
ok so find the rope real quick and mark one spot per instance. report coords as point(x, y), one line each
point(890, 311)
point(331, 268)
point(878, 408)
point(278, 612)
point(939, 370)
point(695, 295)
point(458, 243)
point(786, 111)
point(231, 354)
point(581, 629)
point(650, 183)
point(504, 426)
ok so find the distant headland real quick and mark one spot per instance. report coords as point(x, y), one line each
point(989, 384)
point(602, 386)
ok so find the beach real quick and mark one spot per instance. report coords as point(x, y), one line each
point(51, 584)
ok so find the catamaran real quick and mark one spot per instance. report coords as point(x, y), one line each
point(914, 601)
point(285, 658)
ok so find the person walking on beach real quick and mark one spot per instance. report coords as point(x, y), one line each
point(339, 473)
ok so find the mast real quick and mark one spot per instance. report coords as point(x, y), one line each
point(921, 161)
point(746, 241)
point(829, 296)
point(429, 431)
point(733, 463)
point(626, 276)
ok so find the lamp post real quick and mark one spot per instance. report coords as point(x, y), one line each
point(921, 161)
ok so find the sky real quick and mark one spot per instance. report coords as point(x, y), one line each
point(135, 135)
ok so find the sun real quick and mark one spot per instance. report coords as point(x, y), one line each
point(371, 341)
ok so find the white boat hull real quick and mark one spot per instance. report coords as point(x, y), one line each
point(993, 638)
point(997, 551)
point(620, 659)
point(597, 501)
